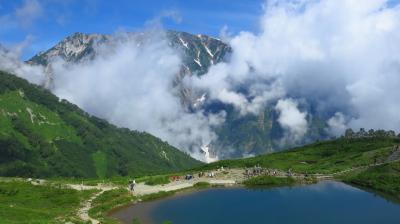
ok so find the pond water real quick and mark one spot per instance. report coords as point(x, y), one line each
point(325, 202)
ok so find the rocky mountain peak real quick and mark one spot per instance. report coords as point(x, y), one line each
point(199, 51)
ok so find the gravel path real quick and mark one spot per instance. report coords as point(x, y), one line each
point(83, 211)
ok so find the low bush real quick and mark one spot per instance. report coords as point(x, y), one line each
point(270, 181)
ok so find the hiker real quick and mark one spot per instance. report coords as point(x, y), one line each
point(131, 185)
point(189, 177)
point(247, 173)
point(289, 173)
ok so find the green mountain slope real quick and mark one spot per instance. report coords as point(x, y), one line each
point(327, 157)
point(42, 136)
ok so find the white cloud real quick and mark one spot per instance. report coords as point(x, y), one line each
point(21, 17)
point(292, 119)
point(10, 62)
point(337, 124)
point(336, 55)
point(131, 85)
point(28, 12)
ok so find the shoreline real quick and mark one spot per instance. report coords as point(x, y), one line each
point(137, 206)
point(213, 183)
point(142, 210)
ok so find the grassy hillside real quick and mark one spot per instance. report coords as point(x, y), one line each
point(22, 202)
point(41, 136)
point(384, 178)
point(322, 157)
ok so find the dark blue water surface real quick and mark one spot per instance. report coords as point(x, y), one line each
point(325, 202)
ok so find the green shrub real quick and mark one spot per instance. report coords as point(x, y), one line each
point(158, 195)
point(202, 185)
point(270, 181)
point(157, 180)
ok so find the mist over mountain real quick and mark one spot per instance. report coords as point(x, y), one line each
point(312, 70)
point(135, 80)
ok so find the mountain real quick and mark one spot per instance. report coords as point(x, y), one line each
point(200, 51)
point(253, 133)
point(43, 136)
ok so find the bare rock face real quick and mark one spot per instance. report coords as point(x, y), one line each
point(199, 51)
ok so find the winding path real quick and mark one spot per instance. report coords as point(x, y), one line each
point(83, 211)
point(329, 176)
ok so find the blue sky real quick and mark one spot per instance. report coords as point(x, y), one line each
point(45, 22)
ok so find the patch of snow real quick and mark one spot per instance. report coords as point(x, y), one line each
point(12, 114)
point(31, 114)
point(42, 116)
point(186, 67)
point(74, 49)
point(21, 93)
point(197, 61)
point(208, 157)
point(43, 120)
point(198, 102)
point(164, 155)
point(184, 43)
point(208, 51)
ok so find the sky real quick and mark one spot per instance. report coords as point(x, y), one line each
point(42, 23)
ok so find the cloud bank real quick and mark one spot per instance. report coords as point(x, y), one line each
point(130, 83)
point(339, 57)
point(23, 16)
point(336, 59)
point(291, 119)
point(10, 62)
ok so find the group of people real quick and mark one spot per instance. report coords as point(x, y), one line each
point(209, 174)
point(256, 170)
point(200, 175)
point(189, 177)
